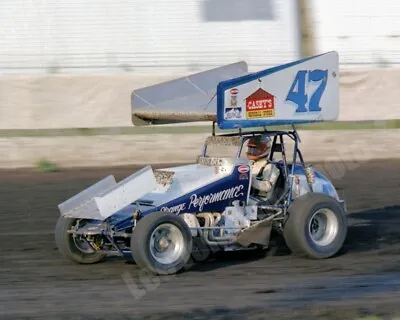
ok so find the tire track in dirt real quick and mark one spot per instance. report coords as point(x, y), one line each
point(36, 282)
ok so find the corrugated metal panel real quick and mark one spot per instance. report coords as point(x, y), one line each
point(363, 31)
point(146, 34)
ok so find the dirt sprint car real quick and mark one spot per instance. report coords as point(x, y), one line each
point(159, 218)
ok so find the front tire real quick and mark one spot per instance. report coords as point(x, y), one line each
point(161, 243)
point(316, 227)
point(72, 248)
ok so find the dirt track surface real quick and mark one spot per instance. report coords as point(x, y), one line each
point(36, 282)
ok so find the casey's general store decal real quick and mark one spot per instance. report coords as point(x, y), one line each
point(260, 104)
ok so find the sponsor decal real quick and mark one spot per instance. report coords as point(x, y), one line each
point(260, 104)
point(243, 169)
point(175, 209)
point(234, 92)
point(233, 113)
point(243, 176)
point(200, 201)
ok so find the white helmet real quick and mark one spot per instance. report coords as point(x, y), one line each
point(259, 147)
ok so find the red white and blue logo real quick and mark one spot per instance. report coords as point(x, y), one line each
point(243, 169)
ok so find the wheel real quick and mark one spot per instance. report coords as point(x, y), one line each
point(74, 248)
point(161, 243)
point(316, 226)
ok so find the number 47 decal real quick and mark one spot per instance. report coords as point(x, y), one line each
point(300, 97)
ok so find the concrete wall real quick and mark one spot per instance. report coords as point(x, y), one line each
point(64, 101)
point(363, 31)
point(110, 36)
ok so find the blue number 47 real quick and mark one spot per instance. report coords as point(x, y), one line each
point(300, 97)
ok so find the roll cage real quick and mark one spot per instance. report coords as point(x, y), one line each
point(239, 138)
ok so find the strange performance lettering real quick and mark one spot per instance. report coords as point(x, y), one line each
point(199, 202)
point(300, 96)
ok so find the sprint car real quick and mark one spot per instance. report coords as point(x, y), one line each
point(160, 217)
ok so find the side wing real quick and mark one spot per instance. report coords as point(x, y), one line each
point(187, 99)
point(302, 91)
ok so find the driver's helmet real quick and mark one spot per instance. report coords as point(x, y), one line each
point(258, 147)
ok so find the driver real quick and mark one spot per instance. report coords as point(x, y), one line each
point(264, 173)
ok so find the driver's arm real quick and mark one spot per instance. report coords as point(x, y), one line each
point(269, 177)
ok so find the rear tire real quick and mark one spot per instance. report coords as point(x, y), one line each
point(316, 227)
point(69, 248)
point(161, 243)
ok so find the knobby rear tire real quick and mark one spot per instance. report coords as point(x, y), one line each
point(299, 228)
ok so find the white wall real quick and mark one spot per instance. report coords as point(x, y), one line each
point(103, 35)
point(91, 36)
point(363, 31)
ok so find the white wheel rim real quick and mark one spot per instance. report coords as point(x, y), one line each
point(80, 243)
point(323, 227)
point(166, 244)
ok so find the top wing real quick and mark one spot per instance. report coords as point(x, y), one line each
point(302, 91)
point(187, 99)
